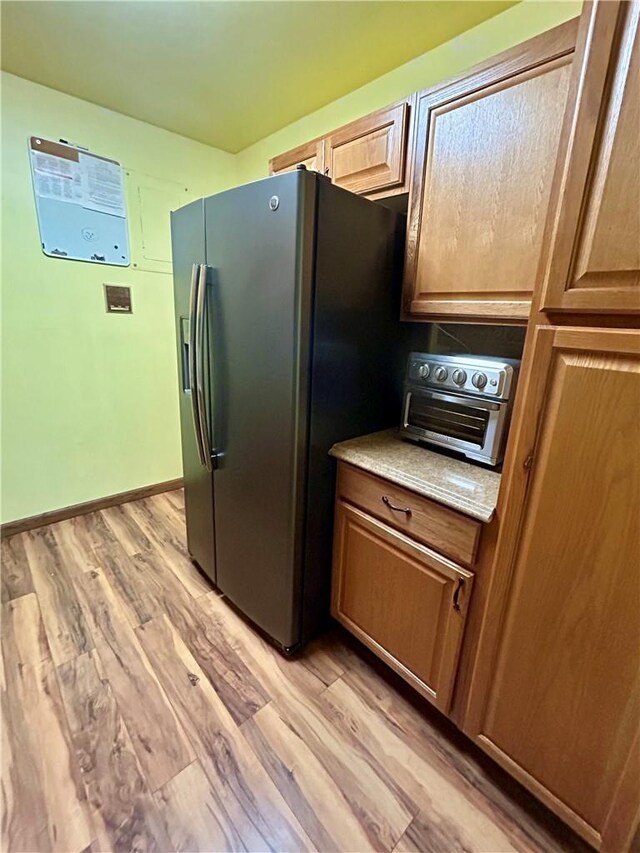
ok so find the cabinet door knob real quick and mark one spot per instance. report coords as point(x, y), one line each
point(456, 594)
point(404, 509)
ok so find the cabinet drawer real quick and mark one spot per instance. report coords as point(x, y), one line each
point(403, 600)
point(444, 529)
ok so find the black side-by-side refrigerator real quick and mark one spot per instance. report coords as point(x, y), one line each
point(287, 306)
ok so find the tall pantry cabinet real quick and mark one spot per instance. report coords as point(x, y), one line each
point(555, 690)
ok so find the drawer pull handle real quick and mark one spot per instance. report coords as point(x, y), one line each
point(405, 510)
point(456, 594)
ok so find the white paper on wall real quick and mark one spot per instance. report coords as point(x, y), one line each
point(80, 203)
point(53, 165)
point(102, 185)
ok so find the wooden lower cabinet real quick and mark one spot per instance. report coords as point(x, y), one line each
point(403, 600)
point(555, 696)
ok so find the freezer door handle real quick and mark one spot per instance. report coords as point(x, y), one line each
point(192, 359)
point(205, 441)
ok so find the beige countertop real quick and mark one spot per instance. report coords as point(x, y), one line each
point(461, 485)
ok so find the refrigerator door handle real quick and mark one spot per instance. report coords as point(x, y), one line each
point(192, 361)
point(205, 441)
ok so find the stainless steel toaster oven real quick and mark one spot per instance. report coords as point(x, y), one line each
point(462, 402)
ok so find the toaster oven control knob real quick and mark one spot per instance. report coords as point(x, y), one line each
point(441, 373)
point(459, 376)
point(424, 371)
point(479, 380)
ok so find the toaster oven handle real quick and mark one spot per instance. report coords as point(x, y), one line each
point(387, 502)
point(464, 401)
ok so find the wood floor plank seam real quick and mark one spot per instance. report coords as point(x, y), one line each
point(107, 554)
point(195, 818)
point(211, 777)
point(239, 775)
point(29, 671)
point(156, 791)
point(332, 827)
point(277, 673)
point(15, 575)
point(170, 596)
point(148, 514)
point(383, 810)
point(420, 781)
point(159, 740)
point(108, 630)
point(223, 667)
point(100, 642)
point(270, 664)
point(18, 597)
point(453, 760)
point(133, 519)
point(62, 613)
point(123, 810)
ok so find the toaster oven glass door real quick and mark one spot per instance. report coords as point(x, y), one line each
point(455, 421)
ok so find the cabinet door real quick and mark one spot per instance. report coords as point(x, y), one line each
point(556, 692)
point(485, 150)
point(369, 155)
point(593, 260)
point(404, 601)
point(311, 155)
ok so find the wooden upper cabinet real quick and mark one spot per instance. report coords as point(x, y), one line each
point(311, 155)
point(556, 693)
point(592, 261)
point(485, 150)
point(370, 154)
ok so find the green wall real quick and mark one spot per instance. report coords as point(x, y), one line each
point(89, 399)
point(511, 27)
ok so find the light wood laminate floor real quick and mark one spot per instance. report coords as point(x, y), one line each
point(140, 712)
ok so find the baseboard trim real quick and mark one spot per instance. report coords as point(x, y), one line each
point(10, 528)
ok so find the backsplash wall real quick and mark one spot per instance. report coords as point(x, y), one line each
point(478, 339)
